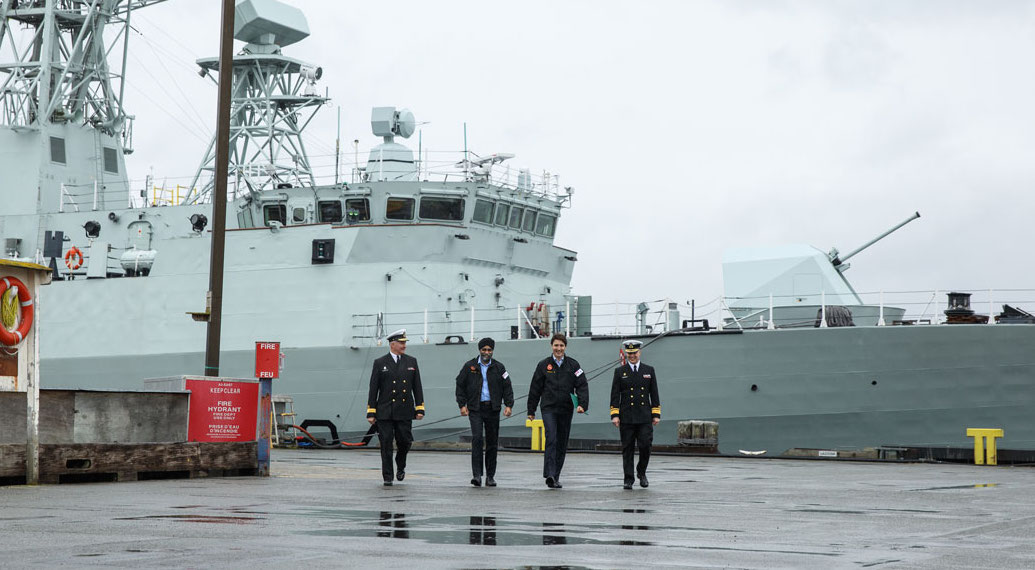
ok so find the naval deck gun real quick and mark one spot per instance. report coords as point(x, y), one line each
point(839, 262)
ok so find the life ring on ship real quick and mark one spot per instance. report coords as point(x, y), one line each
point(15, 337)
point(74, 258)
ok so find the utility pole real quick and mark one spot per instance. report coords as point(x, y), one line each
point(215, 276)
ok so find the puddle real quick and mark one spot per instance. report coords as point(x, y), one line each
point(974, 486)
point(195, 518)
point(476, 530)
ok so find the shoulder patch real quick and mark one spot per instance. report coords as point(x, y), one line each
point(506, 375)
point(578, 373)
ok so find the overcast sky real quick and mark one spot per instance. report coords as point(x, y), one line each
point(685, 127)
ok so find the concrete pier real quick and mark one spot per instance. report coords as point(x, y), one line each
point(326, 509)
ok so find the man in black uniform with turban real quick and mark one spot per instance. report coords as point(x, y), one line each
point(396, 397)
point(482, 387)
point(635, 410)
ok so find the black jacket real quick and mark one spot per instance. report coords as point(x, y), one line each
point(556, 385)
point(634, 397)
point(395, 389)
point(469, 385)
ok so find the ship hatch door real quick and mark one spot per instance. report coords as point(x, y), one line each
point(140, 235)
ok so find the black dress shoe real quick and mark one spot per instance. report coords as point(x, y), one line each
point(388, 483)
point(627, 485)
point(476, 481)
point(643, 480)
point(550, 482)
point(557, 485)
point(490, 482)
point(400, 475)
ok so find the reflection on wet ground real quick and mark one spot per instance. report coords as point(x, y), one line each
point(974, 486)
point(196, 518)
point(482, 530)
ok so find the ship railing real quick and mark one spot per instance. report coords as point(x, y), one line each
point(645, 318)
point(879, 308)
point(90, 196)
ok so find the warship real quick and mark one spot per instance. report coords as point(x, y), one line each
point(793, 357)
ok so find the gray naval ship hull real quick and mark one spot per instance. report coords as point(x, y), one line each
point(835, 388)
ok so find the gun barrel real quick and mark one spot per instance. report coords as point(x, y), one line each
point(880, 237)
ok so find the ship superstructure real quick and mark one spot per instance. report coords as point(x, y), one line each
point(452, 255)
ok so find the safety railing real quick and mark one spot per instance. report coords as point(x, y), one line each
point(538, 320)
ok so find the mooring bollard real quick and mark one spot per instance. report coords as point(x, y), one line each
point(698, 433)
point(984, 437)
point(538, 434)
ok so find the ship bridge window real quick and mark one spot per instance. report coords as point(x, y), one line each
point(399, 209)
point(515, 218)
point(441, 208)
point(529, 224)
point(547, 224)
point(298, 215)
point(358, 210)
point(329, 211)
point(57, 150)
point(111, 160)
point(482, 211)
point(502, 214)
point(274, 213)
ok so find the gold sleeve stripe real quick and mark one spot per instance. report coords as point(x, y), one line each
point(420, 408)
point(656, 410)
point(614, 411)
point(371, 410)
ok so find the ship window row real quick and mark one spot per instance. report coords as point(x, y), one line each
point(358, 210)
point(405, 209)
point(515, 217)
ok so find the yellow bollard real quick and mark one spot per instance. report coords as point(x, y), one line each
point(538, 434)
point(984, 437)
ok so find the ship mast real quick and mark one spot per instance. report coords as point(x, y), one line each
point(274, 99)
point(62, 75)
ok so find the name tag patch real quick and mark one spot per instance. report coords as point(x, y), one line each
point(646, 375)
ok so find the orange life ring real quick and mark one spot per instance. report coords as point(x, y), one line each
point(74, 258)
point(12, 338)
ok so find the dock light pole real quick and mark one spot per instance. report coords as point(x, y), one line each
point(215, 272)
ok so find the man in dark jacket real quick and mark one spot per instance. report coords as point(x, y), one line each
point(557, 380)
point(396, 397)
point(482, 386)
point(635, 410)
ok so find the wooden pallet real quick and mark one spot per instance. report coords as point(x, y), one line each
point(97, 462)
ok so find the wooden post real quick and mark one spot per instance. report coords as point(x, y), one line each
point(265, 442)
point(32, 397)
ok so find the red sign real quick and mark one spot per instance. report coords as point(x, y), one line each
point(267, 359)
point(222, 411)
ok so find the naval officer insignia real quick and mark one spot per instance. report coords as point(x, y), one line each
point(472, 369)
point(411, 368)
point(385, 369)
point(549, 366)
point(646, 375)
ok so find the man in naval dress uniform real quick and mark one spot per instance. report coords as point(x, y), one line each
point(396, 397)
point(635, 410)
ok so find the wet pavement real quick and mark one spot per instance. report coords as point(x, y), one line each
point(328, 509)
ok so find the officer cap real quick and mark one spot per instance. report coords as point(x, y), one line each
point(631, 346)
point(487, 341)
point(398, 336)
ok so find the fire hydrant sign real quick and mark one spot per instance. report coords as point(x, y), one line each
point(222, 411)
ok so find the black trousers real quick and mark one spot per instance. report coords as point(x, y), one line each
point(402, 433)
point(557, 426)
point(635, 435)
point(487, 420)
